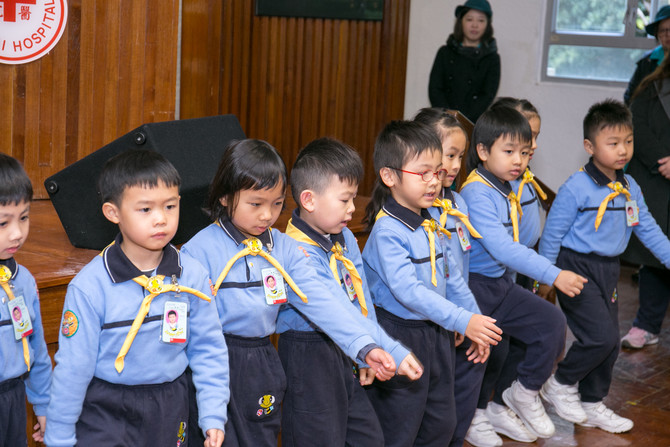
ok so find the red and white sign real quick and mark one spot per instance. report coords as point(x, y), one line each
point(29, 29)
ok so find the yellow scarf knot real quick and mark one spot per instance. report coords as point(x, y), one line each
point(529, 177)
point(431, 227)
point(448, 209)
point(617, 188)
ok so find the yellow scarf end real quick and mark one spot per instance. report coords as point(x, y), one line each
point(119, 364)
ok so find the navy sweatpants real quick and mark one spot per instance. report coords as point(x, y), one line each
point(13, 413)
point(520, 314)
point(325, 404)
point(257, 386)
point(131, 415)
point(593, 317)
point(421, 412)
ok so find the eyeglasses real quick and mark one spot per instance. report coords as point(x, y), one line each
point(426, 176)
point(661, 31)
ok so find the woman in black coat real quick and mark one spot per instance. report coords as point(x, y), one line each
point(466, 72)
point(650, 167)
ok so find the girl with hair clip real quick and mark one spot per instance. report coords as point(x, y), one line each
point(466, 72)
point(240, 249)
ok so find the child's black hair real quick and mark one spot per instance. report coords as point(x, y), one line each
point(15, 186)
point(524, 106)
point(495, 123)
point(440, 121)
point(397, 143)
point(608, 113)
point(319, 161)
point(245, 164)
point(135, 167)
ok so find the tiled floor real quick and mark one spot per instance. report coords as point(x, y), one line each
point(640, 390)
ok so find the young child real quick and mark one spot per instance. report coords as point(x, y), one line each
point(406, 270)
point(323, 399)
point(26, 367)
point(501, 370)
point(586, 231)
point(117, 376)
point(454, 216)
point(499, 150)
point(240, 249)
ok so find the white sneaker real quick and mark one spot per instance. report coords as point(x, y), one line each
point(506, 422)
point(481, 433)
point(598, 415)
point(565, 399)
point(527, 405)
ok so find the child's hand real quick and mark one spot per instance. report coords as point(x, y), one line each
point(458, 339)
point(482, 330)
point(570, 283)
point(477, 354)
point(411, 367)
point(382, 363)
point(366, 376)
point(39, 428)
point(214, 438)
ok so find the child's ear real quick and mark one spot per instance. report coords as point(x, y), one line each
point(111, 212)
point(307, 200)
point(388, 177)
point(588, 146)
point(223, 201)
point(482, 152)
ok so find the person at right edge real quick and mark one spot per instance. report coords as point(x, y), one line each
point(466, 72)
point(650, 167)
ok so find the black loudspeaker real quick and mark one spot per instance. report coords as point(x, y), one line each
point(193, 146)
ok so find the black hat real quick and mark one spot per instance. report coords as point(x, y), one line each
point(662, 14)
point(479, 5)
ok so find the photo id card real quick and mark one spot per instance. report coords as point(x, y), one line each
point(175, 321)
point(349, 285)
point(20, 317)
point(462, 232)
point(274, 287)
point(632, 218)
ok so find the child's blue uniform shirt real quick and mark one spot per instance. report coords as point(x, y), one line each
point(571, 221)
point(100, 305)
point(38, 382)
point(530, 224)
point(396, 258)
point(496, 251)
point(290, 319)
point(241, 298)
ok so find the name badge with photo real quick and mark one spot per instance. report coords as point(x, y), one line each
point(632, 217)
point(274, 287)
point(20, 317)
point(462, 234)
point(175, 322)
point(349, 285)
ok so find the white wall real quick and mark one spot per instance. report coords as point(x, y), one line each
point(518, 26)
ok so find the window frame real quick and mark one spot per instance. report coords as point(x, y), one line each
point(626, 41)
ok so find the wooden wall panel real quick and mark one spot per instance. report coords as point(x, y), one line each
point(114, 68)
point(290, 80)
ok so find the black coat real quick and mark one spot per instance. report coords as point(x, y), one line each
point(465, 78)
point(652, 142)
point(643, 68)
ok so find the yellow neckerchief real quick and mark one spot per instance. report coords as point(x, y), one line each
point(617, 188)
point(529, 177)
point(155, 287)
point(430, 227)
point(337, 255)
point(254, 247)
point(5, 277)
point(514, 202)
point(448, 209)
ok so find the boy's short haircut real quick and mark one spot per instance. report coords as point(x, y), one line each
point(608, 113)
point(245, 164)
point(15, 186)
point(319, 161)
point(495, 123)
point(134, 167)
point(402, 141)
